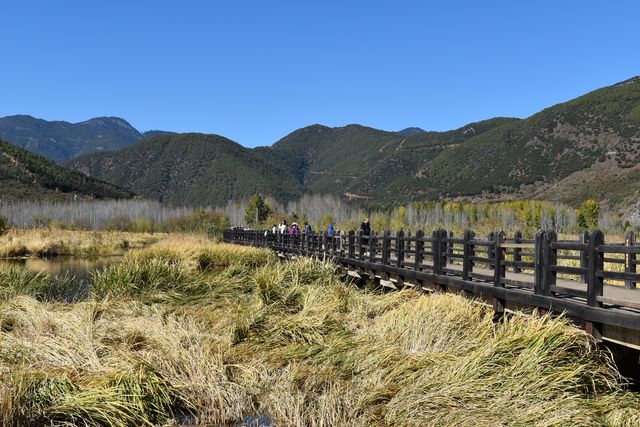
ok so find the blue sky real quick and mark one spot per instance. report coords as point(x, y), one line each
point(256, 70)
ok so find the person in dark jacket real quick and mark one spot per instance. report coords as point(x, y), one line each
point(365, 227)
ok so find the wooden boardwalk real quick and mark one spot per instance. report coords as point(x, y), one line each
point(562, 276)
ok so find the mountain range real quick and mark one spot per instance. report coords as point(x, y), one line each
point(61, 141)
point(586, 147)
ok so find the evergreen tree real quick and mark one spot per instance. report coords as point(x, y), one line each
point(588, 214)
point(258, 210)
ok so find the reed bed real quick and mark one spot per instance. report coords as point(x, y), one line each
point(165, 338)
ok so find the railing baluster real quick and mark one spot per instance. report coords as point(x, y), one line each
point(385, 247)
point(538, 272)
point(499, 272)
point(584, 255)
point(351, 245)
point(467, 251)
point(419, 251)
point(629, 259)
point(517, 251)
point(550, 259)
point(596, 262)
point(373, 243)
point(399, 248)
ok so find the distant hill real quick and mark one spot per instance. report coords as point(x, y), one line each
point(24, 176)
point(190, 169)
point(61, 141)
point(411, 131)
point(586, 147)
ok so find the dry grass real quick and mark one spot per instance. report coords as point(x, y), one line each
point(164, 337)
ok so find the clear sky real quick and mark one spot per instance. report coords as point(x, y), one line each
point(256, 70)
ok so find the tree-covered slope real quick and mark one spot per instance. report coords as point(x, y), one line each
point(60, 141)
point(24, 175)
point(191, 168)
point(544, 148)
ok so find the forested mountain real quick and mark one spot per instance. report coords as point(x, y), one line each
point(61, 141)
point(190, 169)
point(24, 175)
point(587, 147)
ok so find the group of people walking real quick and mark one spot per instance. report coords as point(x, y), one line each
point(294, 229)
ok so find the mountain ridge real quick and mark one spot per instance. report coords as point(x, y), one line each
point(499, 158)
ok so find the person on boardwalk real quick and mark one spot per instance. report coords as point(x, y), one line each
point(331, 231)
point(366, 227)
point(294, 230)
point(307, 228)
point(283, 227)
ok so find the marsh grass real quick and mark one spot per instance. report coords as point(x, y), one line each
point(165, 335)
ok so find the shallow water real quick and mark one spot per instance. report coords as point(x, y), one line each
point(77, 270)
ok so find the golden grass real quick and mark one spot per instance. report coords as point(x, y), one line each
point(164, 336)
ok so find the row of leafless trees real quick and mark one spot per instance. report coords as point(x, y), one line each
point(92, 215)
point(526, 216)
point(319, 210)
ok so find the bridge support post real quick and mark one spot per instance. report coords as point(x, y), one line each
point(629, 259)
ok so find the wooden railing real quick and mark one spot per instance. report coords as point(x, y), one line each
point(567, 275)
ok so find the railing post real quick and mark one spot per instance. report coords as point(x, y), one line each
point(538, 273)
point(517, 251)
point(419, 252)
point(351, 244)
point(499, 257)
point(595, 283)
point(596, 263)
point(385, 247)
point(360, 247)
point(499, 270)
point(468, 251)
point(436, 246)
point(399, 248)
point(629, 259)
point(550, 259)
